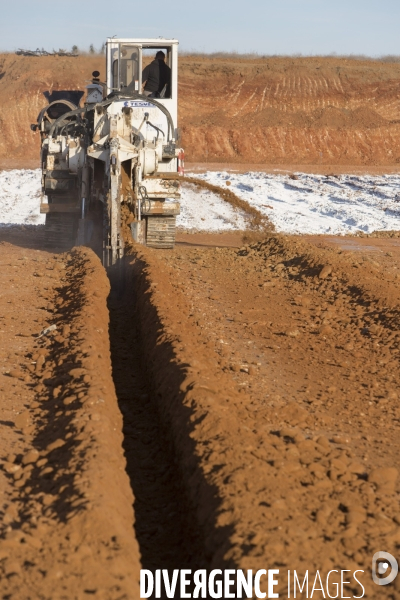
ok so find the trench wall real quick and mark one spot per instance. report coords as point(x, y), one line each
point(77, 536)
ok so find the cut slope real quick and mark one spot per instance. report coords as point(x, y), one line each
point(265, 110)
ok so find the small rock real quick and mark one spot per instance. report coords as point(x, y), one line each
point(39, 363)
point(326, 271)
point(288, 432)
point(323, 441)
point(338, 465)
point(11, 468)
point(340, 439)
point(16, 373)
point(384, 479)
point(294, 414)
point(56, 444)
point(46, 471)
point(355, 516)
point(326, 330)
point(293, 333)
point(356, 468)
point(12, 567)
point(22, 420)
point(48, 499)
point(77, 372)
point(30, 457)
point(318, 470)
point(20, 482)
point(68, 400)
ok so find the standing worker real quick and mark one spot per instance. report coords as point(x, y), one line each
point(156, 78)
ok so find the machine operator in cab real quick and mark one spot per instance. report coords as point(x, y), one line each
point(156, 78)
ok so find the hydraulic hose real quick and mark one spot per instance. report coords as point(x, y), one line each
point(160, 106)
point(78, 111)
point(59, 121)
point(109, 101)
point(44, 110)
point(157, 129)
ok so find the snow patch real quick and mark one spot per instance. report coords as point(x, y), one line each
point(20, 197)
point(202, 210)
point(318, 203)
point(308, 204)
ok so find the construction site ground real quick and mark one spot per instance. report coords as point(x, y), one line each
point(226, 405)
point(231, 403)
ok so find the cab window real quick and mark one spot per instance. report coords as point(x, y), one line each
point(148, 55)
point(129, 68)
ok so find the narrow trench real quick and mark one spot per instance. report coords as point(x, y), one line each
point(165, 525)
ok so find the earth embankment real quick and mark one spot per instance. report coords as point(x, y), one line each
point(66, 503)
point(274, 367)
point(271, 111)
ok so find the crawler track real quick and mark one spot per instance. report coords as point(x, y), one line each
point(60, 231)
point(161, 232)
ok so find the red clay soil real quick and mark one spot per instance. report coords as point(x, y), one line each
point(269, 111)
point(290, 110)
point(257, 409)
point(276, 368)
point(65, 500)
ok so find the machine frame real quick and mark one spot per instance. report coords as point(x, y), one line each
point(117, 156)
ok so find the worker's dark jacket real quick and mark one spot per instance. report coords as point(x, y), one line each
point(156, 75)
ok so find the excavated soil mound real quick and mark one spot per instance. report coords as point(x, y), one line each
point(285, 111)
point(276, 373)
point(66, 504)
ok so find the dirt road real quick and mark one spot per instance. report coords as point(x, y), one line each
point(253, 391)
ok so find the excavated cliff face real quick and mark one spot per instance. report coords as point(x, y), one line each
point(282, 111)
point(271, 110)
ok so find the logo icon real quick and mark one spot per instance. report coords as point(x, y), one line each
point(384, 568)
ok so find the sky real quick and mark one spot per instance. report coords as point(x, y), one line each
point(307, 27)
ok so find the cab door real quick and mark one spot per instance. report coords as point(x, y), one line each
point(124, 66)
